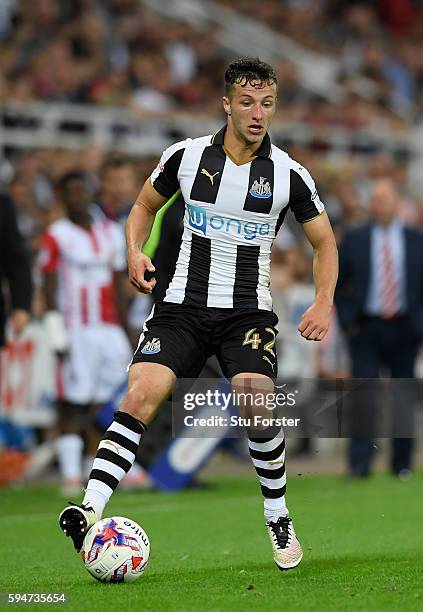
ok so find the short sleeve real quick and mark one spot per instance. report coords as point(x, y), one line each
point(48, 257)
point(304, 200)
point(165, 176)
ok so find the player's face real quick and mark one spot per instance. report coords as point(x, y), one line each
point(251, 109)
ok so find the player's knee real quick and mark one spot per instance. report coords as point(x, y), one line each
point(139, 403)
point(252, 392)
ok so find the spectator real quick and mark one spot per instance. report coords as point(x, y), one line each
point(380, 307)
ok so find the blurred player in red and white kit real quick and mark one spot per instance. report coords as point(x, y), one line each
point(83, 265)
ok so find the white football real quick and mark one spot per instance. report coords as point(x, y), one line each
point(116, 549)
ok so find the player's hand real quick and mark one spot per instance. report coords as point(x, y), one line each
point(315, 322)
point(138, 265)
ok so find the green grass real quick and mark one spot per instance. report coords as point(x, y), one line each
point(362, 548)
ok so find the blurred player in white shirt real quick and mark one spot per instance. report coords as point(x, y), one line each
point(82, 260)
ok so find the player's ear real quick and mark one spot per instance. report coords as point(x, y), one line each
point(226, 105)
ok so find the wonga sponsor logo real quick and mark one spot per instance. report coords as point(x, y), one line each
point(249, 230)
point(197, 218)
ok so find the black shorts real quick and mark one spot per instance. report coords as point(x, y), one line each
point(183, 337)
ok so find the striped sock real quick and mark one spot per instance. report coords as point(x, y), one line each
point(115, 457)
point(268, 457)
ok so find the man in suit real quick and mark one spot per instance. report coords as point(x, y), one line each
point(379, 300)
point(15, 269)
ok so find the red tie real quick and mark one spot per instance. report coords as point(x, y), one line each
point(389, 283)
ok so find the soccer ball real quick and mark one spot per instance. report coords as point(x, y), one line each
point(116, 549)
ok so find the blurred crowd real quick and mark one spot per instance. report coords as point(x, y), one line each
point(378, 44)
point(110, 52)
point(106, 53)
point(31, 180)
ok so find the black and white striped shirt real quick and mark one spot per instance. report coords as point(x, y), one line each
point(232, 215)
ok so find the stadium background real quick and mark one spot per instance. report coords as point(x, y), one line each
point(84, 81)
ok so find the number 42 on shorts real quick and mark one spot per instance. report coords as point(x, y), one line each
point(253, 337)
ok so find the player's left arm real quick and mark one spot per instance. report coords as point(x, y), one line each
point(315, 321)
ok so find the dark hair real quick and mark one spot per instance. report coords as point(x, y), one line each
point(73, 175)
point(248, 70)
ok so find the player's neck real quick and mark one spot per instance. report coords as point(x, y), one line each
point(237, 149)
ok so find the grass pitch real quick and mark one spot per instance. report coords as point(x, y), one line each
point(362, 548)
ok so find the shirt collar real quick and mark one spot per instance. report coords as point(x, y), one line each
point(264, 150)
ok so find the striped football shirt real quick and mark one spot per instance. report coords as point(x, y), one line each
point(232, 215)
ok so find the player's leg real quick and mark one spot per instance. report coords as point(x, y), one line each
point(149, 384)
point(172, 344)
point(115, 353)
point(267, 450)
point(167, 348)
point(247, 354)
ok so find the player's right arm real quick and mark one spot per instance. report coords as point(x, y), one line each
point(138, 228)
point(156, 191)
point(305, 203)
